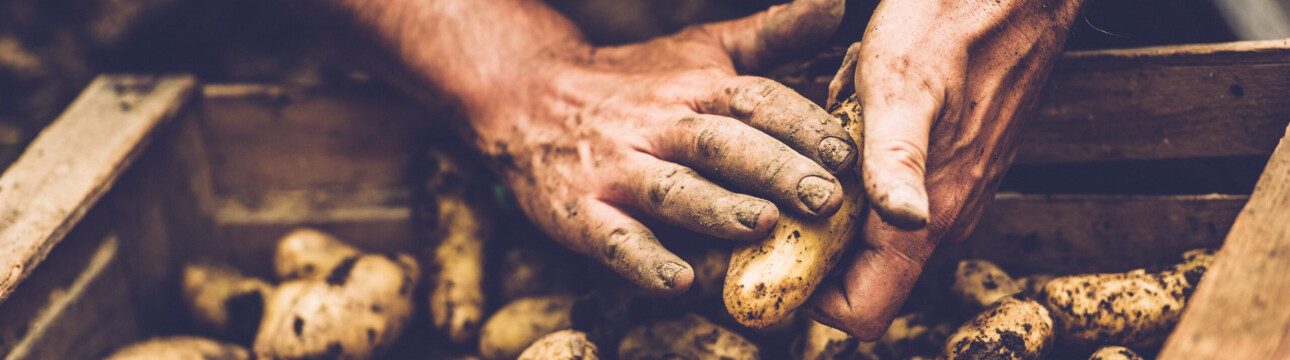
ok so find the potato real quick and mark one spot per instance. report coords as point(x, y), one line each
point(1033, 285)
point(180, 348)
point(456, 222)
point(1012, 328)
point(1114, 353)
point(689, 337)
point(518, 324)
point(821, 342)
point(561, 345)
point(910, 335)
point(306, 253)
point(1137, 309)
point(979, 283)
point(224, 301)
point(768, 279)
point(356, 312)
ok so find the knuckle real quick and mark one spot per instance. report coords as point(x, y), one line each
point(667, 183)
point(901, 153)
point(751, 94)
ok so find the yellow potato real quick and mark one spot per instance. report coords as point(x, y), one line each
point(180, 348)
point(224, 301)
point(979, 283)
point(689, 337)
point(518, 324)
point(1009, 329)
point(562, 345)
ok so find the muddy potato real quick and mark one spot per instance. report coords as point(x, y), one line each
point(689, 337)
point(222, 300)
point(979, 283)
point(306, 253)
point(180, 348)
point(454, 218)
point(1114, 353)
point(1137, 309)
point(1010, 329)
point(770, 278)
point(521, 322)
point(910, 335)
point(561, 345)
point(356, 312)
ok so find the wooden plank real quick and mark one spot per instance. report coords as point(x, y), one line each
point(1241, 310)
point(1086, 233)
point(264, 137)
point(1166, 102)
point(74, 161)
point(89, 317)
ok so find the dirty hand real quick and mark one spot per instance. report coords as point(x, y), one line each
point(944, 86)
point(597, 142)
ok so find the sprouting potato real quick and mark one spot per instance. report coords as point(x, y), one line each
point(770, 278)
point(518, 324)
point(979, 283)
point(1012, 328)
point(306, 253)
point(356, 312)
point(562, 345)
point(1137, 309)
point(180, 348)
point(1115, 353)
point(223, 300)
point(689, 337)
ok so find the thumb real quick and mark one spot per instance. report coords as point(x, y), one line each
point(899, 111)
point(768, 37)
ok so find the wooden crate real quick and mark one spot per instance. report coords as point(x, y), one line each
point(144, 172)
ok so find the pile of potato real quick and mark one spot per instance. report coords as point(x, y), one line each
point(334, 301)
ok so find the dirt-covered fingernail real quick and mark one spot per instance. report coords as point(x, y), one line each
point(906, 208)
point(814, 191)
point(749, 211)
point(667, 272)
point(835, 152)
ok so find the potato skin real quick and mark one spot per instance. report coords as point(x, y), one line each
point(222, 300)
point(180, 348)
point(1114, 353)
point(979, 283)
point(821, 342)
point(356, 312)
point(689, 337)
point(521, 322)
point(455, 220)
point(562, 345)
point(770, 278)
point(1012, 328)
point(1137, 309)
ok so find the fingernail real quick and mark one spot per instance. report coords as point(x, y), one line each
point(667, 272)
point(905, 208)
point(748, 212)
point(834, 152)
point(814, 191)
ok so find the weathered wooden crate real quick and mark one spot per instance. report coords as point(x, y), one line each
point(143, 172)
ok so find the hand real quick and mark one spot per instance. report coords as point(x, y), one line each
point(945, 85)
point(597, 142)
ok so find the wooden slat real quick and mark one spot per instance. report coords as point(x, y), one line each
point(1086, 233)
point(1167, 102)
point(264, 137)
point(74, 162)
point(1241, 310)
point(89, 317)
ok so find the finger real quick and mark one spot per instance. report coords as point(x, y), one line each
point(866, 296)
point(736, 153)
point(843, 83)
point(766, 38)
point(678, 195)
point(784, 114)
point(610, 236)
point(900, 104)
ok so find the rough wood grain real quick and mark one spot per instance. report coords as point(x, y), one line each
point(1084, 233)
point(1166, 102)
point(1241, 310)
point(264, 137)
point(74, 162)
